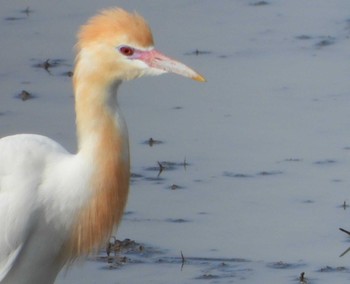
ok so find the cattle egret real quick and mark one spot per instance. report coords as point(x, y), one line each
point(56, 206)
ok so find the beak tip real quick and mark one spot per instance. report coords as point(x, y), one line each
point(199, 78)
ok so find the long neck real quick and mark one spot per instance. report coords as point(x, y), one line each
point(103, 142)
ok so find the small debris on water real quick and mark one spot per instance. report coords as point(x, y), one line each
point(237, 175)
point(45, 65)
point(344, 205)
point(334, 269)
point(308, 201)
point(150, 142)
point(270, 173)
point(207, 276)
point(284, 265)
point(14, 18)
point(325, 162)
point(244, 175)
point(27, 11)
point(326, 42)
point(260, 3)
point(68, 74)
point(24, 95)
point(293, 160)
point(179, 220)
point(168, 166)
point(175, 187)
point(304, 37)
point(118, 246)
point(198, 52)
point(51, 63)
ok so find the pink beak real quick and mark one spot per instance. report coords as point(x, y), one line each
point(156, 59)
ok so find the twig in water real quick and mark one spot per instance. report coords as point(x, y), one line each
point(302, 278)
point(345, 252)
point(161, 168)
point(185, 163)
point(345, 231)
point(182, 260)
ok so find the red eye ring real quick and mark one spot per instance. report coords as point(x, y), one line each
point(126, 50)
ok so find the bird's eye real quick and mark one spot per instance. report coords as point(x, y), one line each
point(126, 50)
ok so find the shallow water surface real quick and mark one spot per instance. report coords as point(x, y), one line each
point(246, 178)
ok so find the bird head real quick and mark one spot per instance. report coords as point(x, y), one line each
point(116, 45)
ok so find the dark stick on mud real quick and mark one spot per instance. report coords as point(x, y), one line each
point(185, 164)
point(161, 168)
point(182, 260)
point(345, 252)
point(302, 278)
point(345, 231)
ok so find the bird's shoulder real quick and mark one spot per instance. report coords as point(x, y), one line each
point(26, 149)
point(29, 143)
point(24, 158)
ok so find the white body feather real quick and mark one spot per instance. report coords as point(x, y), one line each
point(37, 202)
